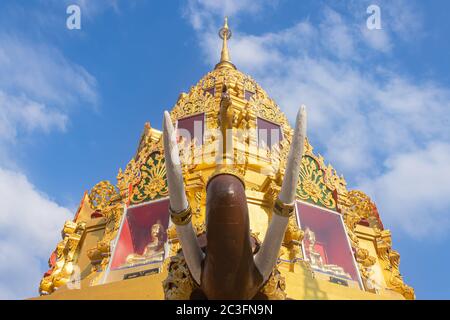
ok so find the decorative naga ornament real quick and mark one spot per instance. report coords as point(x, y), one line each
point(228, 201)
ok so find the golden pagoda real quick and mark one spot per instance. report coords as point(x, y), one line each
point(122, 243)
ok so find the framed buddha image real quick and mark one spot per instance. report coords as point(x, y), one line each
point(326, 245)
point(141, 245)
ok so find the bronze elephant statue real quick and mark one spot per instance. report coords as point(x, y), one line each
point(228, 268)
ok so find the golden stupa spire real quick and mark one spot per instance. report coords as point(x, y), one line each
point(225, 35)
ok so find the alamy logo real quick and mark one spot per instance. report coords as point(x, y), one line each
point(374, 20)
point(73, 22)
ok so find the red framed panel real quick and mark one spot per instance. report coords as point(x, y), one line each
point(326, 245)
point(193, 127)
point(141, 244)
point(211, 91)
point(269, 133)
point(248, 95)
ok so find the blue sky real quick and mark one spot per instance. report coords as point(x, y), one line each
point(74, 102)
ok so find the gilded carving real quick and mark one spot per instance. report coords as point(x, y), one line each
point(390, 261)
point(179, 283)
point(101, 195)
point(274, 288)
point(312, 186)
point(104, 198)
point(209, 82)
point(196, 101)
point(250, 85)
point(292, 241)
point(365, 262)
point(101, 253)
point(356, 206)
point(153, 183)
point(131, 176)
point(66, 258)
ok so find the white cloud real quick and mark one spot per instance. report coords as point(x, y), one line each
point(337, 34)
point(201, 13)
point(43, 74)
point(20, 113)
point(39, 88)
point(30, 225)
point(364, 116)
point(401, 20)
point(377, 39)
point(414, 191)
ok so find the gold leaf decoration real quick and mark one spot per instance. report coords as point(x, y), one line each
point(274, 288)
point(131, 175)
point(208, 82)
point(197, 101)
point(66, 257)
point(179, 283)
point(312, 187)
point(390, 261)
point(153, 183)
point(101, 195)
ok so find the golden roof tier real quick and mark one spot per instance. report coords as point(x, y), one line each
point(334, 247)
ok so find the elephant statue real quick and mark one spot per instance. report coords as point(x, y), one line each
point(228, 268)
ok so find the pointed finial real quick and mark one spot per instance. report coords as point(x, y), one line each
point(225, 34)
point(225, 26)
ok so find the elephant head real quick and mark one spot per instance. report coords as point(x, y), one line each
point(228, 269)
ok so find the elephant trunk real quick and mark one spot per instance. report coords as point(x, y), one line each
point(229, 271)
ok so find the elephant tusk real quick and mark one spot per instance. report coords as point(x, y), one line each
point(178, 201)
point(266, 258)
point(291, 176)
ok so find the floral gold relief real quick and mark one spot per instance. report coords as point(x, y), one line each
point(153, 180)
point(312, 185)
